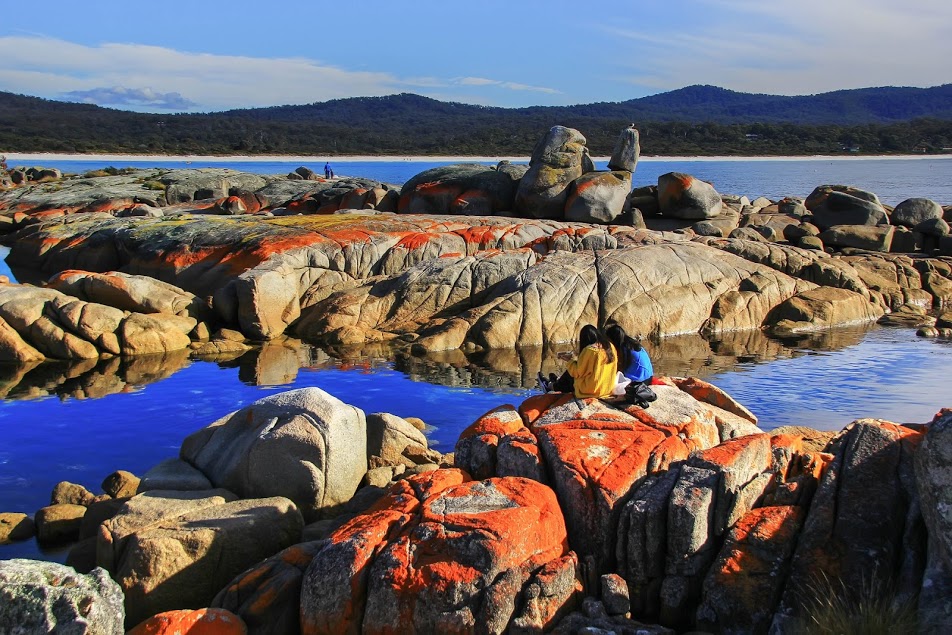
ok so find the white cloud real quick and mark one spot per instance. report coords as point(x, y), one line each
point(55, 68)
point(152, 77)
point(797, 48)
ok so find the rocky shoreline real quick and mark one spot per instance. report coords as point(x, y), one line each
point(301, 513)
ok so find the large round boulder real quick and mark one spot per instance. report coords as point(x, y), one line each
point(913, 211)
point(598, 197)
point(557, 160)
point(303, 444)
point(844, 205)
point(47, 597)
point(683, 196)
point(469, 188)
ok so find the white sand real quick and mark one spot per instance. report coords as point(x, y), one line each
point(40, 157)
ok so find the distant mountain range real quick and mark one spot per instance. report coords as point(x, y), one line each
point(692, 120)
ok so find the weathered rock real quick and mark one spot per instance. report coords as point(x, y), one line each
point(470, 189)
point(66, 493)
point(47, 597)
point(58, 523)
point(389, 435)
point(303, 444)
point(442, 553)
point(14, 348)
point(744, 585)
point(136, 294)
point(933, 466)
point(550, 594)
point(173, 474)
point(195, 622)
point(683, 196)
point(822, 307)
point(844, 205)
point(859, 236)
point(598, 197)
point(626, 152)
point(201, 551)
point(913, 211)
point(499, 444)
point(558, 159)
point(267, 597)
point(15, 526)
point(614, 594)
point(849, 537)
point(120, 484)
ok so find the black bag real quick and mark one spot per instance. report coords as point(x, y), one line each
point(640, 394)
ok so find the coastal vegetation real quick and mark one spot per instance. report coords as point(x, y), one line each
point(698, 120)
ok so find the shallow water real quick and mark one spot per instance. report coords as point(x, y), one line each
point(80, 422)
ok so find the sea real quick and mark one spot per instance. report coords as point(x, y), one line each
point(80, 422)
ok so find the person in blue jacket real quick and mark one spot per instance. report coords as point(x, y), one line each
point(633, 360)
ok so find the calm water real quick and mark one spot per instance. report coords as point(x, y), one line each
point(79, 422)
point(894, 180)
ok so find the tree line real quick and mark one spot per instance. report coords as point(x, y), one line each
point(409, 124)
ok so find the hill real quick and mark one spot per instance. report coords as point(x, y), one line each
point(697, 120)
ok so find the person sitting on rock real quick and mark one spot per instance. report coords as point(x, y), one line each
point(593, 373)
point(633, 360)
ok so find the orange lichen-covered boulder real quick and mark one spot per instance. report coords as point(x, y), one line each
point(267, 597)
point(498, 444)
point(438, 554)
point(594, 465)
point(743, 587)
point(857, 532)
point(459, 189)
point(683, 196)
point(192, 622)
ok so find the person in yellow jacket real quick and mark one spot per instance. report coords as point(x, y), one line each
point(596, 369)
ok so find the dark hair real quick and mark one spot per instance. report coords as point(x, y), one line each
point(590, 335)
point(625, 344)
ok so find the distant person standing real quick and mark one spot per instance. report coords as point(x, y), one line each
point(327, 170)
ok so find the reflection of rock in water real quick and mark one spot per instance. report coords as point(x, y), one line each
point(88, 378)
point(279, 361)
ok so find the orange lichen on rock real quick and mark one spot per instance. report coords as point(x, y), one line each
point(743, 587)
point(499, 421)
point(192, 622)
point(533, 407)
point(416, 240)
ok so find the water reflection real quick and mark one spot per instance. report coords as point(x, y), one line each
point(278, 363)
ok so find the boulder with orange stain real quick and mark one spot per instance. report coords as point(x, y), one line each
point(557, 160)
point(192, 622)
point(469, 189)
point(499, 444)
point(440, 553)
point(744, 585)
point(267, 597)
point(861, 530)
point(683, 196)
point(598, 197)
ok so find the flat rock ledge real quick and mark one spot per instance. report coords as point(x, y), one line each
point(558, 515)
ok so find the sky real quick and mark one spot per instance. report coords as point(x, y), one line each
point(206, 55)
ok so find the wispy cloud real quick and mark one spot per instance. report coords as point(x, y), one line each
point(783, 47)
point(121, 96)
point(483, 81)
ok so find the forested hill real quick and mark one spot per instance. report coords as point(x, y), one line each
point(697, 120)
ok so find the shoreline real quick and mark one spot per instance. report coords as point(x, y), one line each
point(14, 157)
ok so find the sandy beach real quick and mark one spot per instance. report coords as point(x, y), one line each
point(14, 158)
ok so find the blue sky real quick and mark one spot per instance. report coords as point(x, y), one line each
point(200, 56)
